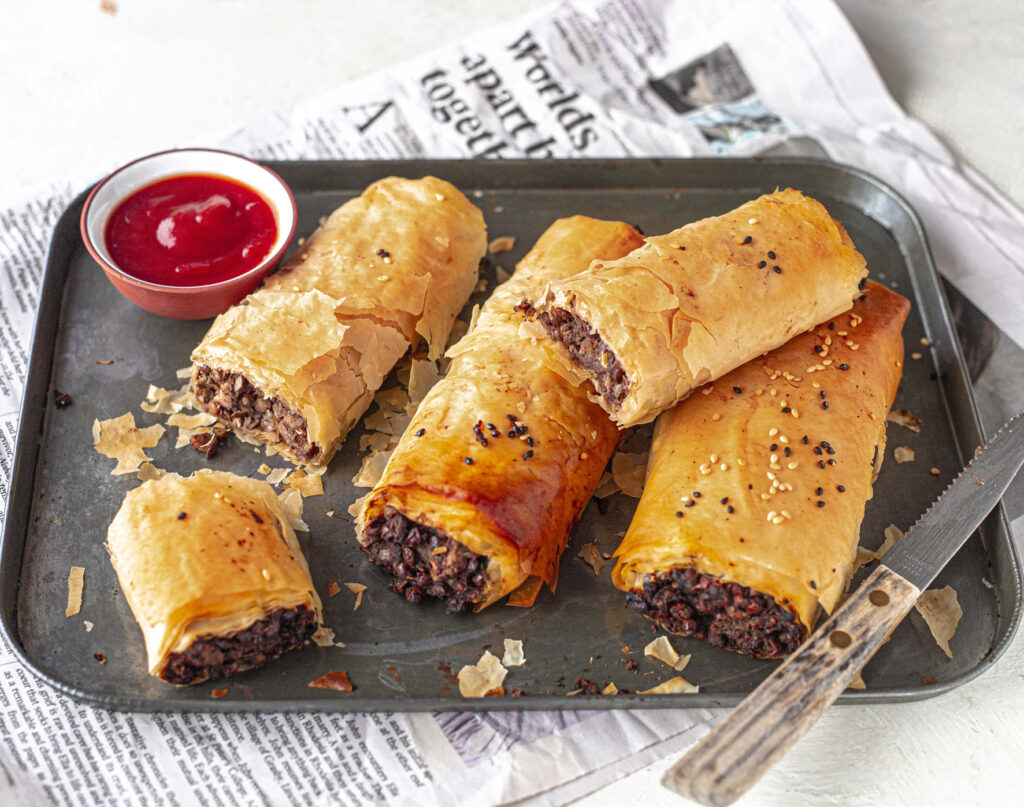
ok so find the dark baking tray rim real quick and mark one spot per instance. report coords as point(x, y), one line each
point(314, 176)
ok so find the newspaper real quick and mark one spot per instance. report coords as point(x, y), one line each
point(576, 80)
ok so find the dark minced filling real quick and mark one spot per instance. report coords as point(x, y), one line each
point(689, 603)
point(236, 402)
point(210, 657)
point(588, 350)
point(409, 552)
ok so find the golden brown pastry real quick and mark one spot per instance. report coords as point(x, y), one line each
point(296, 363)
point(502, 454)
point(213, 573)
point(756, 487)
point(689, 306)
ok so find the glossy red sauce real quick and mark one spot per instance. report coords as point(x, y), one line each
point(190, 231)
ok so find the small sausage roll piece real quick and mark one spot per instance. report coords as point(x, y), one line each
point(750, 516)
point(502, 454)
point(692, 305)
point(296, 363)
point(213, 573)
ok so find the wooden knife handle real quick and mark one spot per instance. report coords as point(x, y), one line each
point(754, 736)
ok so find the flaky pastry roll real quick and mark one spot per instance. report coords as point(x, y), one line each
point(213, 573)
point(750, 516)
point(296, 363)
point(689, 306)
point(502, 454)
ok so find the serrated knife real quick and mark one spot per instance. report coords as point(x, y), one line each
point(758, 732)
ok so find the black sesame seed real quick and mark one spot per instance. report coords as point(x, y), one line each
point(696, 494)
point(824, 404)
point(787, 409)
point(821, 464)
point(511, 432)
point(724, 500)
point(863, 297)
point(522, 428)
point(820, 503)
point(383, 253)
point(862, 284)
point(679, 513)
point(512, 417)
point(420, 432)
point(831, 326)
point(813, 584)
point(528, 454)
point(804, 440)
point(182, 515)
point(773, 447)
point(841, 488)
point(817, 450)
point(844, 367)
point(831, 462)
point(819, 491)
point(817, 348)
point(490, 426)
point(467, 460)
point(737, 390)
point(748, 239)
point(777, 270)
point(529, 441)
point(762, 264)
point(495, 433)
point(787, 451)
point(830, 450)
point(690, 503)
point(730, 509)
point(822, 394)
point(683, 248)
point(771, 255)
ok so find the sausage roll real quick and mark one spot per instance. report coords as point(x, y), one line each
point(213, 573)
point(750, 516)
point(689, 306)
point(296, 363)
point(502, 455)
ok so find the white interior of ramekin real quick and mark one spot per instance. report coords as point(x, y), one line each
point(139, 174)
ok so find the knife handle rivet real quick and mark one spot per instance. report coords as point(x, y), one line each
point(840, 638)
point(878, 598)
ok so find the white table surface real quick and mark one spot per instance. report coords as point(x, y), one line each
point(82, 88)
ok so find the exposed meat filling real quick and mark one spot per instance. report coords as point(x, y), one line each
point(588, 350)
point(425, 561)
point(237, 403)
point(211, 657)
point(688, 603)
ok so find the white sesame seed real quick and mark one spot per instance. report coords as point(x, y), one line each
point(815, 384)
point(795, 414)
point(724, 467)
point(705, 471)
point(751, 221)
point(854, 347)
point(714, 458)
point(766, 497)
point(775, 466)
point(783, 438)
point(778, 520)
point(741, 462)
point(772, 431)
point(785, 514)
point(769, 474)
point(716, 417)
point(827, 362)
point(773, 458)
point(771, 514)
point(791, 466)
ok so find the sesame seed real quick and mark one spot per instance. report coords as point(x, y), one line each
point(841, 488)
point(683, 248)
point(796, 414)
point(786, 409)
point(820, 503)
point(824, 404)
point(714, 458)
point(751, 221)
point(725, 500)
point(690, 503)
point(827, 362)
point(730, 509)
point(804, 439)
point(490, 426)
point(748, 239)
point(420, 432)
point(778, 520)
point(762, 264)
point(773, 447)
point(787, 451)
point(738, 390)
point(817, 348)
point(769, 474)
point(844, 367)
point(766, 497)
point(467, 460)
point(831, 326)
point(705, 471)
point(696, 494)
point(741, 462)
point(783, 439)
point(821, 464)
point(513, 418)
point(774, 458)
point(679, 513)
point(831, 462)
point(772, 431)
point(784, 514)
point(771, 255)
point(529, 441)
point(716, 417)
point(791, 466)
point(528, 454)
point(819, 491)
point(777, 270)
point(771, 515)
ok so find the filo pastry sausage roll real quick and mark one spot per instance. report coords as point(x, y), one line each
point(750, 516)
point(296, 363)
point(689, 306)
point(213, 573)
point(502, 455)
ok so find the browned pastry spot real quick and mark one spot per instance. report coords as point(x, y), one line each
point(689, 603)
point(211, 657)
point(588, 350)
point(235, 401)
point(424, 560)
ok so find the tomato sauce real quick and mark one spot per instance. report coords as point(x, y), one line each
point(191, 231)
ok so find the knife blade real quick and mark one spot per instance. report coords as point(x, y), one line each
point(738, 751)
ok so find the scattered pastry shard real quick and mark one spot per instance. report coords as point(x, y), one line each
point(121, 440)
point(477, 680)
point(647, 329)
point(941, 611)
point(296, 363)
point(750, 519)
point(502, 454)
point(213, 573)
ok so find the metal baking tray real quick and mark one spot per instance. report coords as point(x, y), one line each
point(397, 654)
